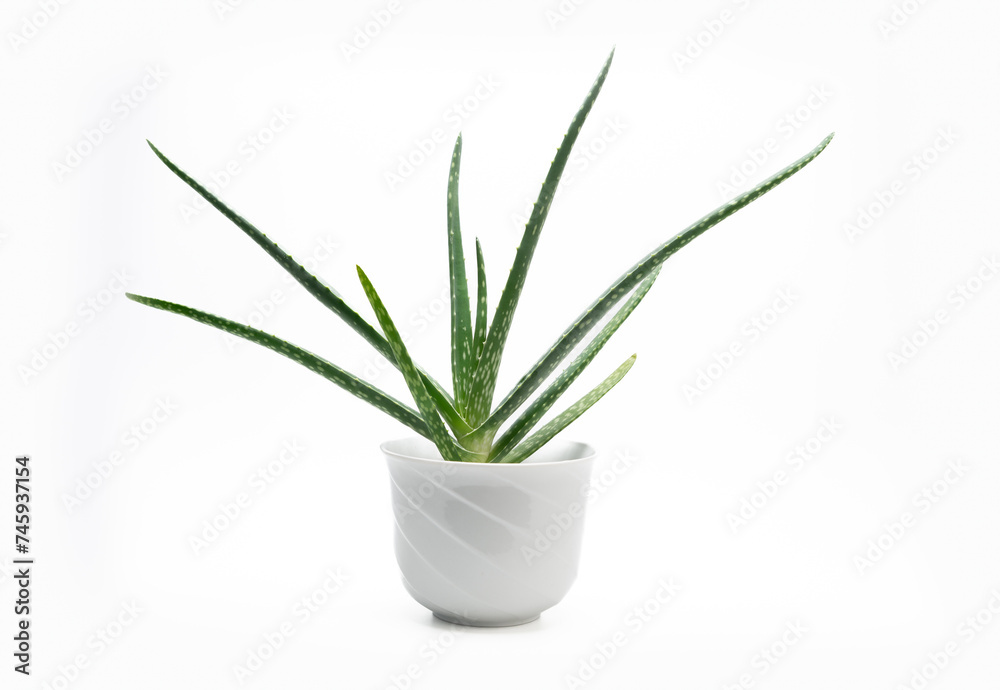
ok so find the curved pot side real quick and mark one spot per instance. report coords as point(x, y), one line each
point(488, 544)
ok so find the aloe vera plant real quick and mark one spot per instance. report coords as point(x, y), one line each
point(464, 424)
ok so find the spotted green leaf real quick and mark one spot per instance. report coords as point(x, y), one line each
point(449, 450)
point(478, 344)
point(573, 335)
point(461, 315)
point(540, 405)
point(318, 289)
point(348, 382)
point(560, 422)
point(485, 377)
point(479, 337)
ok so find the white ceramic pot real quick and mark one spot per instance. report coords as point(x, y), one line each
point(488, 544)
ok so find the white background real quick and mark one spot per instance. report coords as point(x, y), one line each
point(205, 78)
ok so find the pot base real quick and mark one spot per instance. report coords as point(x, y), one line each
point(458, 620)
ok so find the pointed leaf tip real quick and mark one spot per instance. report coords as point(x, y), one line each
point(567, 417)
point(322, 292)
point(484, 378)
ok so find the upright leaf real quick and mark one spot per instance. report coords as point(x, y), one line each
point(484, 379)
point(348, 382)
point(461, 315)
point(318, 289)
point(545, 434)
point(540, 405)
point(573, 335)
point(479, 337)
point(449, 449)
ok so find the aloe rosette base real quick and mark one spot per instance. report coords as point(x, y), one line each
point(464, 424)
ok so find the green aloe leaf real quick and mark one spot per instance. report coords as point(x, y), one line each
point(438, 433)
point(461, 314)
point(484, 379)
point(318, 289)
point(540, 405)
point(573, 335)
point(545, 434)
point(348, 382)
point(479, 337)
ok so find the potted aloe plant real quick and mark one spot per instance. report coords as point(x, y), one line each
point(489, 513)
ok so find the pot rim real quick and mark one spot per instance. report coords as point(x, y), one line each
point(584, 453)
